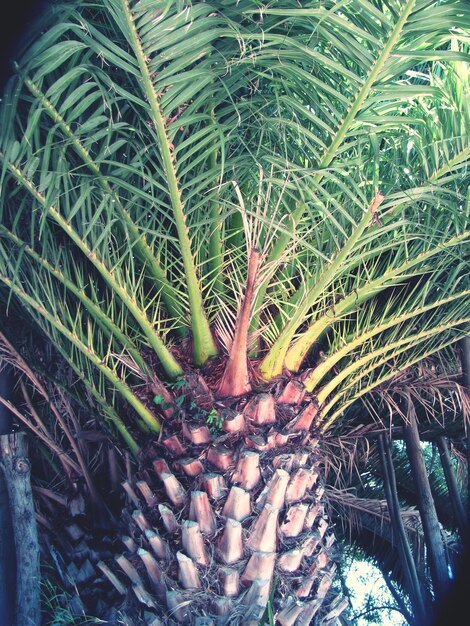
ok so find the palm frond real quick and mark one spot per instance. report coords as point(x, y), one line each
point(147, 146)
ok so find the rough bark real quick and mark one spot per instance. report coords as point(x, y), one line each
point(7, 556)
point(6, 384)
point(7, 551)
point(450, 611)
point(431, 528)
point(249, 517)
point(16, 470)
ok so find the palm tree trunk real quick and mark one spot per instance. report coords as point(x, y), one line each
point(406, 557)
point(431, 528)
point(452, 487)
point(234, 521)
point(450, 612)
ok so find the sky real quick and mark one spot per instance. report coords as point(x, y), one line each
point(365, 580)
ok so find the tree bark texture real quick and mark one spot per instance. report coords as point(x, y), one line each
point(6, 384)
point(16, 472)
point(7, 557)
point(222, 524)
point(427, 509)
point(7, 548)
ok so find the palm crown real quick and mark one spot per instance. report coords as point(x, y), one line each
point(251, 190)
point(151, 150)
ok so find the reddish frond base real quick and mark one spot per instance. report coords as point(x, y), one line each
point(235, 380)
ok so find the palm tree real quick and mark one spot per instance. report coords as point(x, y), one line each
point(235, 222)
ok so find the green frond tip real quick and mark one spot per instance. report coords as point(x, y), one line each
point(168, 361)
point(141, 246)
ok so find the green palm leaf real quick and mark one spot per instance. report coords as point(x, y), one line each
point(156, 144)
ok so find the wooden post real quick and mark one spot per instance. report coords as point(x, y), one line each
point(16, 471)
point(7, 556)
point(7, 549)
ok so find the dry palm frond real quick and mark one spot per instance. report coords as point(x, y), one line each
point(356, 514)
point(345, 456)
point(435, 393)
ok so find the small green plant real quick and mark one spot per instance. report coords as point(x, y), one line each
point(178, 385)
point(160, 401)
point(268, 615)
point(214, 420)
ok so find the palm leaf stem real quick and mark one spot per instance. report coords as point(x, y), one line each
point(108, 411)
point(273, 258)
point(216, 259)
point(109, 327)
point(299, 349)
point(107, 414)
point(235, 380)
point(274, 360)
point(318, 373)
point(118, 424)
point(354, 263)
point(405, 346)
point(142, 248)
point(204, 345)
point(169, 363)
point(392, 40)
point(148, 418)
